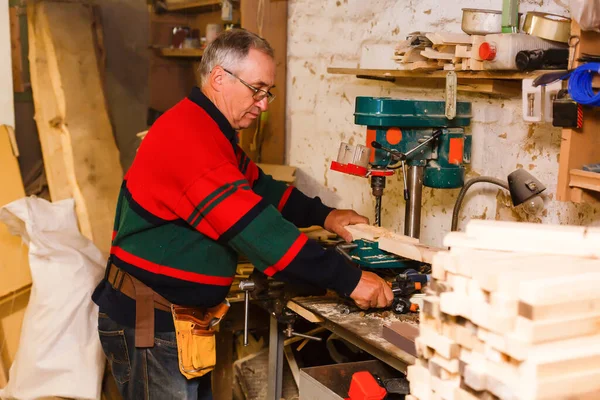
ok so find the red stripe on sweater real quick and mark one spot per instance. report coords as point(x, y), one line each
point(284, 198)
point(169, 271)
point(288, 257)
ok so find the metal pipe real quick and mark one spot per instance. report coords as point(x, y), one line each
point(412, 217)
point(302, 335)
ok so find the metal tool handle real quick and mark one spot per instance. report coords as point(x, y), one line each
point(435, 135)
point(406, 195)
point(289, 332)
point(247, 287)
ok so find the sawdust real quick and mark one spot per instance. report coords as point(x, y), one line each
point(531, 166)
point(428, 12)
point(482, 216)
point(519, 166)
point(444, 21)
point(293, 80)
point(503, 136)
point(396, 31)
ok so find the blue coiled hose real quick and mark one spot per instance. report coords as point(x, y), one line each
point(580, 85)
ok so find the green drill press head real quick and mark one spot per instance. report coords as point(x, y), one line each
point(402, 125)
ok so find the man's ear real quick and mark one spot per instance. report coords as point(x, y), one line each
point(217, 78)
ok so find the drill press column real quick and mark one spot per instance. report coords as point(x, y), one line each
point(412, 215)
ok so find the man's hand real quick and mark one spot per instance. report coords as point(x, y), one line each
point(372, 291)
point(338, 219)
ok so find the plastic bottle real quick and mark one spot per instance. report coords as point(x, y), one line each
point(499, 50)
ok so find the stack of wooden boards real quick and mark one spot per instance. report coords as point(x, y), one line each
point(439, 50)
point(80, 154)
point(513, 312)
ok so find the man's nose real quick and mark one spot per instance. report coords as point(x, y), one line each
point(263, 104)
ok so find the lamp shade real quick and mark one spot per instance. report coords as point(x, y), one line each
point(523, 186)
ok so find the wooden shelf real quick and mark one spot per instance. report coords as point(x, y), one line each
point(580, 146)
point(181, 53)
point(584, 180)
point(490, 82)
point(189, 6)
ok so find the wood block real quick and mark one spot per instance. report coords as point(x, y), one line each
point(450, 67)
point(449, 365)
point(410, 397)
point(440, 287)
point(466, 336)
point(365, 231)
point(455, 304)
point(304, 313)
point(438, 265)
point(402, 335)
point(566, 385)
point(550, 311)
point(444, 388)
point(418, 374)
point(475, 377)
point(463, 51)
point(431, 306)
point(421, 391)
point(460, 284)
point(436, 55)
point(562, 327)
point(462, 394)
point(423, 351)
point(423, 65)
point(549, 289)
point(432, 323)
point(413, 55)
point(442, 345)
point(482, 315)
point(445, 38)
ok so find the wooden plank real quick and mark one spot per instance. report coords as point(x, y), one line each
point(284, 173)
point(303, 312)
point(14, 262)
point(579, 146)
point(418, 252)
point(91, 156)
point(289, 355)
point(401, 335)
point(12, 314)
point(46, 110)
point(270, 21)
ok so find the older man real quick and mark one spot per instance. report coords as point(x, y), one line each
point(190, 204)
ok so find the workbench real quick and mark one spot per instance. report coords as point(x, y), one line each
point(364, 330)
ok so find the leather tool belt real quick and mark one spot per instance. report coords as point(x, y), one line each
point(194, 326)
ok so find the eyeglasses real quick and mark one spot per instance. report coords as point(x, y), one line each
point(259, 94)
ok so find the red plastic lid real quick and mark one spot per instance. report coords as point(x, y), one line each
point(487, 51)
point(364, 387)
point(349, 169)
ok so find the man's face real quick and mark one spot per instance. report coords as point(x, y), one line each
point(258, 70)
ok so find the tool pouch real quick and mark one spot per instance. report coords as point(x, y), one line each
point(195, 331)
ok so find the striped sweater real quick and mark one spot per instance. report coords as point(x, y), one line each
point(192, 201)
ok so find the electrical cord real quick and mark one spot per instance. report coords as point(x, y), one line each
point(463, 192)
point(580, 84)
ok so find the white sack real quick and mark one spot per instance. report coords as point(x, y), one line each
point(59, 351)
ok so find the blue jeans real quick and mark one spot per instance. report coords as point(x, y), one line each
point(148, 373)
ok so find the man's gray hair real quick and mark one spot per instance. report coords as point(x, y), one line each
point(229, 50)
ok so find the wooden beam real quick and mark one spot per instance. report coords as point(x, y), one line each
point(510, 75)
point(90, 156)
point(46, 110)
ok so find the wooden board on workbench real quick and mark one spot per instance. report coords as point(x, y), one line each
point(367, 327)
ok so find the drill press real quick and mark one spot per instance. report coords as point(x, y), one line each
point(414, 136)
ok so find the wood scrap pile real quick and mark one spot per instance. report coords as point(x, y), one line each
point(439, 51)
point(513, 312)
point(80, 154)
